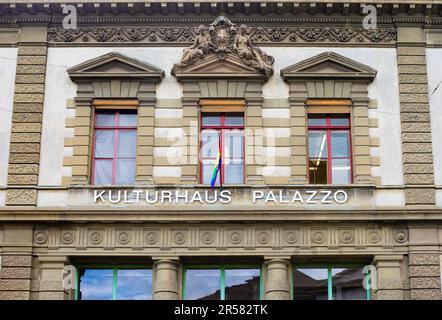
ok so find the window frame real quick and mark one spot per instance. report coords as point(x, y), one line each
point(328, 128)
point(329, 267)
point(220, 129)
point(222, 269)
point(116, 128)
point(114, 269)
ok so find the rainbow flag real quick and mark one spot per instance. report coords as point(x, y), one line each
point(216, 168)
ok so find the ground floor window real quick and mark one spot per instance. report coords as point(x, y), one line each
point(118, 283)
point(332, 282)
point(222, 283)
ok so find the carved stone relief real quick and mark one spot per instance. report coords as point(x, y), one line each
point(223, 38)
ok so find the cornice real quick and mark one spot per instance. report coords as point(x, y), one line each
point(140, 214)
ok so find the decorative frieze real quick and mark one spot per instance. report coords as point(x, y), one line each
point(157, 238)
point(184, 35)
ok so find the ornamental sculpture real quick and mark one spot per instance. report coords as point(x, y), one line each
point(223, 38)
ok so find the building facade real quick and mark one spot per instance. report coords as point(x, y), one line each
point(220, 150)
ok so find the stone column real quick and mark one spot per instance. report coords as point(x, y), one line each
point(277, 279)
point(165, 285)
point(415, 117)
point(16, 262)
point(389, 277)
point(51, 278)
point(27, 117)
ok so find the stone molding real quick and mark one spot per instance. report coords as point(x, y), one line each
point(330, 76)
point(220, 239)
point(110, 76)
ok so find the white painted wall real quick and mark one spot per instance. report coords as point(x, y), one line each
point(434, 58)
point(385, 89)
point(8, 62)
point(59, 88)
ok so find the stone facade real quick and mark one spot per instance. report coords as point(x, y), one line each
point(293, 58)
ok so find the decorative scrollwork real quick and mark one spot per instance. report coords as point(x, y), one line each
point(187, 35)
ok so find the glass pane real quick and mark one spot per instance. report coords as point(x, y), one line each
point(233, 143)
point(348, 283)
point(103, 172)
point(203, 284)
point(104, 144)
point(211, 119)
point(134, 284)
point(339, 121)
point(340, 146)
point(234, 119)
point(316, 121)
point(242, 284)
point(127, 143)
point(341, 171)
point(317, 144)
point(128, 118)
point(105, 119)
point(234, 171)
point(96, 284)
point(318, 171)
point(310, 284)
point(125, 171)
point(209, 143)
point(208, 166)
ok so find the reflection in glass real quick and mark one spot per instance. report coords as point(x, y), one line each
point(242, 284)
point(203, 284)
point(340, 146)
point(103, 172)
point(125, 171)
point(316, 121)
point(341, 171)
point(127, 143)
point(310, 284)
point(104, 144)
point(96, 284)
point(317, 143)
point(347, 284)
point(209, 143)
point(211, 119)
point(105, 118)
point(340, 121)
point(134, 284)
point(234, 119)
point(128, 118)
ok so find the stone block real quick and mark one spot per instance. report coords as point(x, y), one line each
point(27, 117)
point(22, 180)
point(24, 157)
point(25, 137)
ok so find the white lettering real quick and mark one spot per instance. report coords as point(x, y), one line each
point(327, 195)
point(98, 195)
point(312, 195)
point(257, 195)
point(344, 194)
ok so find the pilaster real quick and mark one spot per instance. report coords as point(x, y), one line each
point(27, 117)
point(415, 120)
